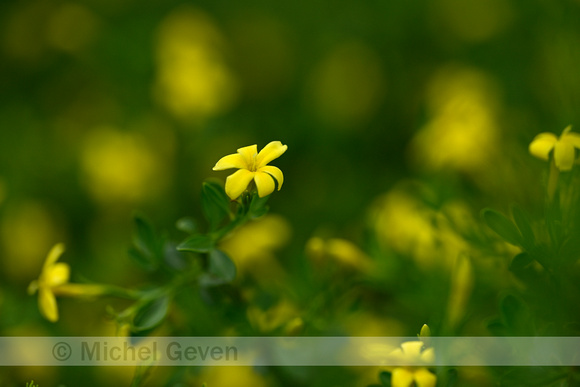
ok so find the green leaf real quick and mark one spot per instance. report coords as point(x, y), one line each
point(143, 260)
point(385, 378)
point(511, 308)
point(144, 234)
point(516, 316)
point(151, 314)
point(187, 225)
point(452, 377)
point(142, 373)
point(258, 206)
point(198, 243)
point(215, 203)
point(533, 376)
point(520, 261)
point(543, 254)
point(147, 248)
point(502, 226)
point(496, 327)
point(221, 269)
point(569, 250)
point(221, 265)
point(520, 267)
point(523, 222)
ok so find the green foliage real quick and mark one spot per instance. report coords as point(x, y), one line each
point(151, 314)
point(258, 207)
point(515, 318)
point(148, 248)
point(221, 269)
point(214, 203)
point(523, 223)
point(502, 226)
point(187, 224)
point(106, 106)
point(385, 378)
point(533, 377)
point(198, 243)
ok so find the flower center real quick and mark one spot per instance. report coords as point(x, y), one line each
point(253, 164)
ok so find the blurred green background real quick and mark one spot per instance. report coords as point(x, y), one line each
point(110, 106)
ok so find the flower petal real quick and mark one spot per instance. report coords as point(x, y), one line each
point(231, 161)
point(402, 377)
point(270, 152)
point(47, 304)
point(275, 172)
point(566, 130)
point(424, 378)
point(572, 138)
point(428, 356)
point(265, 184)
point(412, 349)
point(54, 254)
point(57, 274)
point(237, 183)
point(398, 356)
point(249, 153)
point(564, 155)
point(542, 144)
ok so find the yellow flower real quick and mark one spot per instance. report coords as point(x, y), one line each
point(343, 251)
point(253, 166)
point(53, 274)
point(405, 376)
point(53, 281)
point(563, 146)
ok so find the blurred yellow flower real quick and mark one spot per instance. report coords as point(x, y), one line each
point(252, 247)
point(283, 315)
point(194, 80)
point(232, 377)
point(253, 167)
point(340, 250)
point(53, 274)
point(406, 224)
point(53, 280)
point(123, 166)
point(461, 289)
point(462, 133)
point(20, 219)
point(563, 147)
point(472, 21)
point(71, 27)
point(405, 376)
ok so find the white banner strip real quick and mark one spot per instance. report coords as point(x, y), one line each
point(289, 351)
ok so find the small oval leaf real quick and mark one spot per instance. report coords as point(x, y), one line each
point(258, 206)
point(221, 269)
point(197, 244)
point(151, 314)
point(186, 224)
point(215, 203)
point(385, 378)
point(520, 261)
point(523, 222)
point(502, 226)
point(221, 265)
